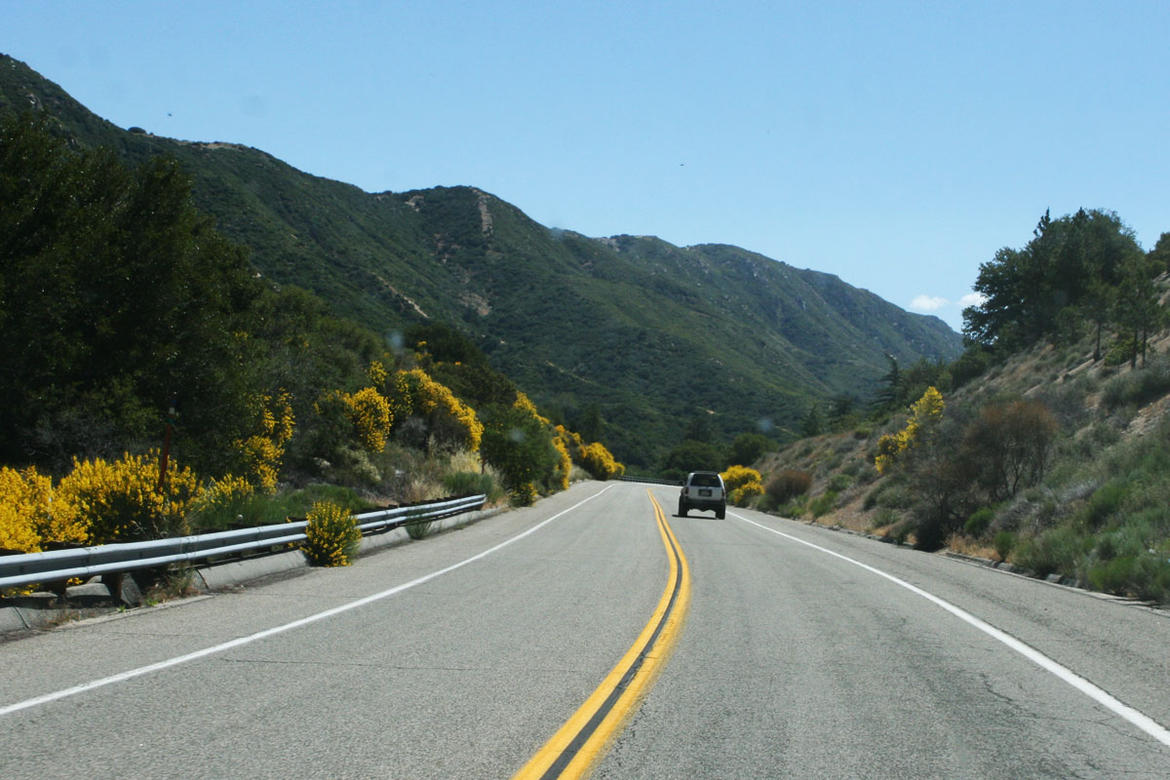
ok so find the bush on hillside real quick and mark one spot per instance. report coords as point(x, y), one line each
point(787, 485)
point(518, 442)
point(122, 501)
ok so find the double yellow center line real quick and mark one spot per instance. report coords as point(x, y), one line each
point(582, 741)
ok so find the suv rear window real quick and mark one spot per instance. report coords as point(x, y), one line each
point(705, 480)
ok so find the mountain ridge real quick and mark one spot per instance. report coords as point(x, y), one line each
point(650, 333)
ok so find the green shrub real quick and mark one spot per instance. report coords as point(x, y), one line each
point(1106, 500)
point(518, 442)
point(900, 531)
point(1152, 579)
point(839, 482)
point(894, 495)
point(1114, 576)
point(523, 494)
point(979, 521)
point(299, 502)
point(823, 503)
point(1004, 543)
point(469, 483)
point(421, 529)
point(1118, 352)
point(233, 511)
point(1138, 387)
point(1057, 550)
point(795, 508)
point(1142, 575)
point(332, 536)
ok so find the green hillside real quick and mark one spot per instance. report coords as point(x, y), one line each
point(649, 334)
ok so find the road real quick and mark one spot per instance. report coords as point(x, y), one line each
point(803, 653)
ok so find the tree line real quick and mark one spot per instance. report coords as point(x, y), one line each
point(1081, 272)
point(130, 321)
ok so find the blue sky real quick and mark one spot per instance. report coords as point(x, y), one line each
point(895, 144)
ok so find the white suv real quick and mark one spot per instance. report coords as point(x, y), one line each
point(703, 490)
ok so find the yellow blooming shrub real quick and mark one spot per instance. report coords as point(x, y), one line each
point(523, 494)
point(367, 415)
point(369, 411)
point(331, 537)
point(925, 414)
point(377, 373)
point(24, 508)
point(452, 424)
point(564, 468)
point(33, 514)
point(572, 439)
point(525, 403)
point(263, 451)
point(599, 462)
point(222, 492)
point(121, 501)
point(742, 484)
point(745, 493)
point(738, 476)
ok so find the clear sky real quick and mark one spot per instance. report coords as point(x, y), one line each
point(895, 144)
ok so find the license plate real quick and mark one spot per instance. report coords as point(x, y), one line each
point(704, 491)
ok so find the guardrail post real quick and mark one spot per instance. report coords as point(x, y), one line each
point(113, 583)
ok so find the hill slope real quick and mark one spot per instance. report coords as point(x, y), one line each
point(651, 334)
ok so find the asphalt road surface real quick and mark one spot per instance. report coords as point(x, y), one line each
point(804, 653)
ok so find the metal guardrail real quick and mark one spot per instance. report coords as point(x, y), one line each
point(650, 480)
point(84, 562)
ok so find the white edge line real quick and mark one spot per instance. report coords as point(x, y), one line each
point(1142, 721)
point(244, 640)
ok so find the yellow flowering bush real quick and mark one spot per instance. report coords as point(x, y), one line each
point(331, 537)
point(598, 461)
point(369, 411)
point(572, 440)
point(738, 476)
point(24, 507)
point(564, 468)
point(524, 403)
point(222, 492)
point(122, 502)
point(742, 484)
point(377, 373)
point(32, 514)
point(925, 414)
point(263, 451)
point(452, 424)
point(745, 493)
point(594, 458)
point(367, 414)
point(523, 494)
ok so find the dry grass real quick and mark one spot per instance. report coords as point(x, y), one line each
point(965, 545)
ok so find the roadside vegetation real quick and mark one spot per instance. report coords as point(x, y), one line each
point(156, 385)
point(1046, 445)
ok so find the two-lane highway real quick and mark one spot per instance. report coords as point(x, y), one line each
point(811, 653)
point(462, 675)
point(804, 652)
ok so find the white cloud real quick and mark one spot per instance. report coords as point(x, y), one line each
point(928, 303)
point(972, 299)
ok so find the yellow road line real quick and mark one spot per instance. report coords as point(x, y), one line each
point(579, 744)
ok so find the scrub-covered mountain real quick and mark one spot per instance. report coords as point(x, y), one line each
point(630, 335)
